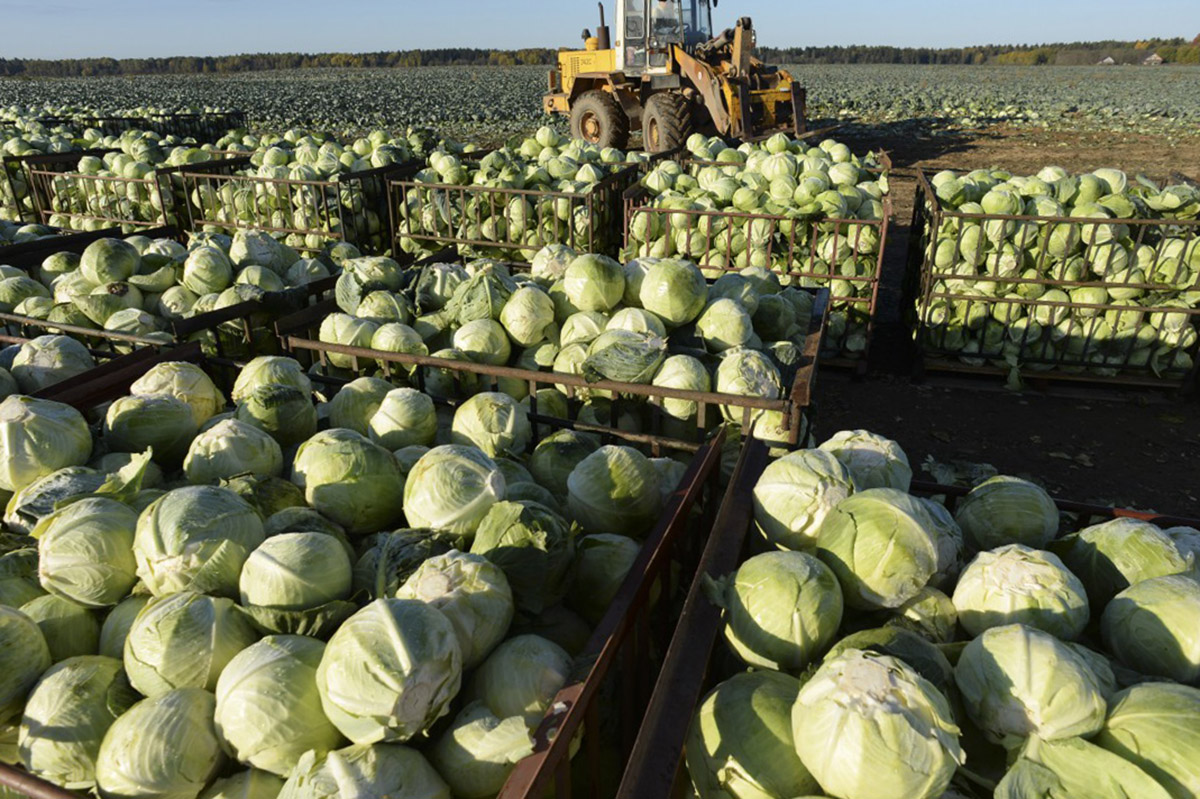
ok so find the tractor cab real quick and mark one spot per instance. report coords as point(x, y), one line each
point(648, 29)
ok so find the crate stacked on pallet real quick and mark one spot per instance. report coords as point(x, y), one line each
point(709, 717)
point(1092, 278)
point(815, 216)
point(599, 661)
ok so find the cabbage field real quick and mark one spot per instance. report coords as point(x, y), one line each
point(499, 101)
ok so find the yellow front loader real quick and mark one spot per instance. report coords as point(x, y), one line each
point(665, 73)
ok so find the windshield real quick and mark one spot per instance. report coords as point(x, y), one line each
point(697, 22)
point(664, 21)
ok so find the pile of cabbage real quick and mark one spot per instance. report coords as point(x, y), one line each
point(24, 137)
point(19, 232)
point(649, 321)
point(818, 214)
point(341, 207)
point(1147, 274)
point(257, 595)
point(894, 650)
point(562, 171)
point(140, 286)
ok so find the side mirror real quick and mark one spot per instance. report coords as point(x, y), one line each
point(587, 34)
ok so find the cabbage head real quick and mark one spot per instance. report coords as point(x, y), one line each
point(451, 488)
point(873, 461)
point(602, 562)
point(181, 756)
point(687, 374)
point(594, 283)
point(413, 644)
point(184, 641)
point(47, 360)
point(478, 751)
point(161, 423)
point(392, 557)
point(405, 418)
point(1156, 726)
point(297, 583)
point(248, 784)
point(70, 628)
point(109, 260)
point(521, 678)
point(85, 552)
point(494, 422)
point(356, 402)
point(781, 609)
point(377, 770)
point(1071, 767)
point(528, 316)
point(183, 381)
point(268, 710)
point(863, 715)
point(1007, 510)
point(674, 291)
point(615, 490)
point(231, 448)
point(285, 413)
point(533, 546)
point(269, 370)
point(740, 745)
point(24, 656)
point(38, 437)
point(351, 480)
point(557, 455)
point(195, 538)
point(1151, 628)
point(1111, 556)
point(116, 625)
point(474, 595)
point(794, 495)
point(67, 715)
point(1018, 682)
point(1014, 584)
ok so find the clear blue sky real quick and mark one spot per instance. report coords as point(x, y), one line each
point(125, 28)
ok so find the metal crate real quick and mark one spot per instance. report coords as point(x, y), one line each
point(299, 335)
point(436, 216)
point(237, 331)
point(790, 249)
point(695, 662)
point(133, 204)
point(16, 186)
point(1089, 349)
point(351, 207)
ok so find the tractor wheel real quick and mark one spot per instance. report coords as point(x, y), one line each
point(666, 122)
point(597, 117)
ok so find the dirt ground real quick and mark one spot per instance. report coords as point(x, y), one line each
point(1129, 448)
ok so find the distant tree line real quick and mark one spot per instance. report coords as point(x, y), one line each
point(1173, 51)
point(249, 62)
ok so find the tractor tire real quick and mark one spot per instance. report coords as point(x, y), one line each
point(597, 117)
point(666, 122)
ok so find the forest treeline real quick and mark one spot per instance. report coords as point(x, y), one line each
point(1173, 51)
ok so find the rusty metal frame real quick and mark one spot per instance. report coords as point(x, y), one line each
point(800, 255)
point(321, 200)
point(298, 335)
point(656, 768)
point(933, 295)
point(602, 202)
point(619, 642)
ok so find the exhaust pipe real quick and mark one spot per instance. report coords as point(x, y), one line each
point(603, 40)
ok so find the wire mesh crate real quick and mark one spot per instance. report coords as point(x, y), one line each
point(1102, 300)
point(308, 214)
point(507, 223)
point(843, 255)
